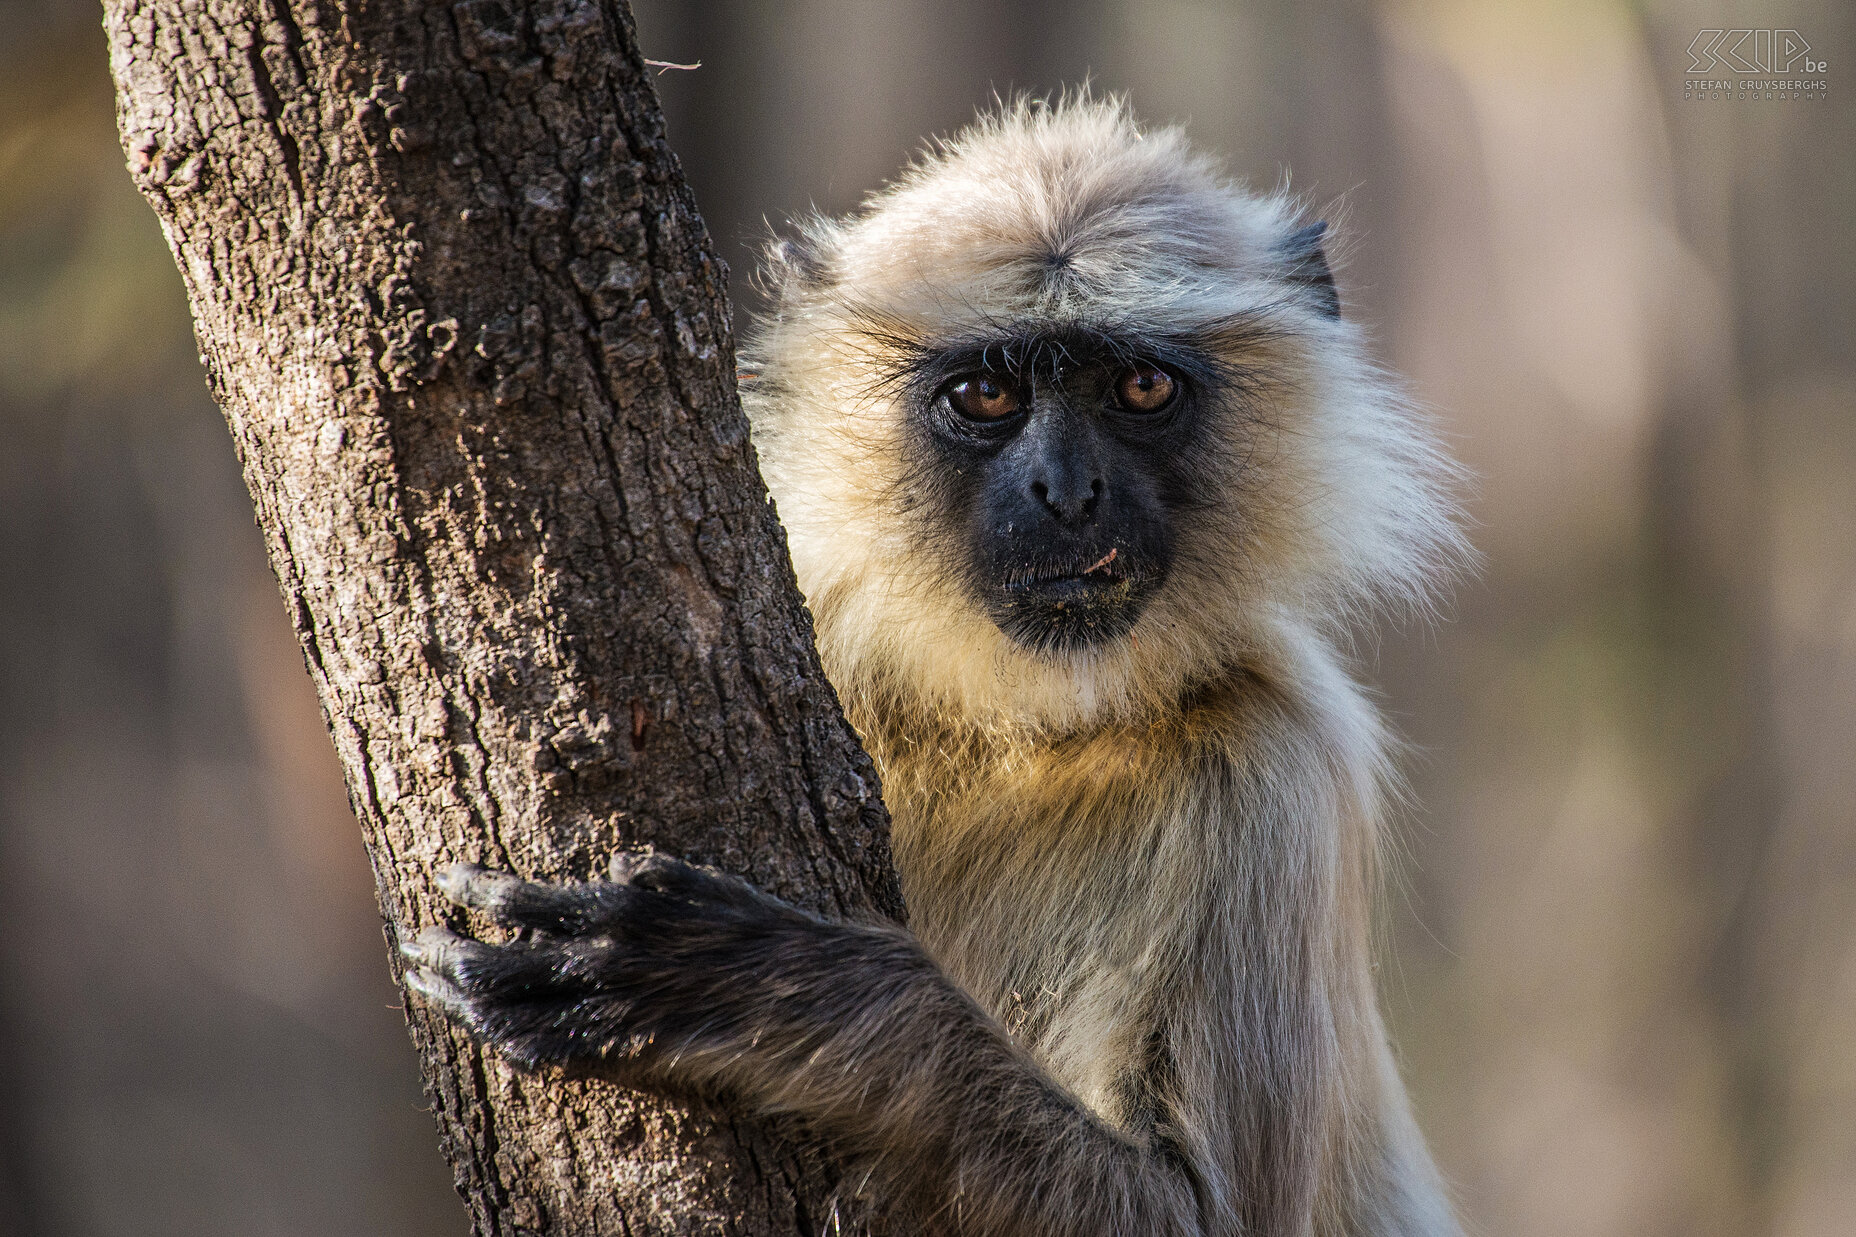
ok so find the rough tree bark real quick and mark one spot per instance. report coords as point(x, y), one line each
point(472, 341)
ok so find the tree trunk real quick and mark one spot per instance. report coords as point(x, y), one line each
point(454, 298)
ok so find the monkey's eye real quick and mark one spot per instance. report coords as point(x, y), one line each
point(1145, 389)
point(983, 397)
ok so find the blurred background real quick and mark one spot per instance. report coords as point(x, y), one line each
point(1621, 957)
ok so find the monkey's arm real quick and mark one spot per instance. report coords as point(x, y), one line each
point(673, 975)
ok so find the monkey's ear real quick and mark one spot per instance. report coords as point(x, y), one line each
point(1308, 266)
point(791, 265)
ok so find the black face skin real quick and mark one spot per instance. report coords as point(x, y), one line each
point(1064, 457)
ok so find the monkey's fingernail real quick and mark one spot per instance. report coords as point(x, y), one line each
point(433, 949)
point(434, 988)
point(624, 865)
point(455, 879)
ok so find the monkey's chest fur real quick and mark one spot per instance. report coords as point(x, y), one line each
point(1067, 887)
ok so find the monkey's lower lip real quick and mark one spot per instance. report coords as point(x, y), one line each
point(1072, 607)
point(1068, 588)
point(1108, 571)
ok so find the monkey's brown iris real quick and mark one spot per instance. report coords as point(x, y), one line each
point(1144, 389)
point(983, 397)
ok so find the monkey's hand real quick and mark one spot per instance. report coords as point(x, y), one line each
point(664, 971)
point(673, 975)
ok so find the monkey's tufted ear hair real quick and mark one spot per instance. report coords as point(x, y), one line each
point(1308, 266)
point(791, 264)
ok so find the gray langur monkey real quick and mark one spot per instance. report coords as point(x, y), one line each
point(1086, 480)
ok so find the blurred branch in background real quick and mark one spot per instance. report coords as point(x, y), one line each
point(1623, 958)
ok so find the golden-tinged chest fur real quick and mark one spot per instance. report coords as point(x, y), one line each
point(1065, 882)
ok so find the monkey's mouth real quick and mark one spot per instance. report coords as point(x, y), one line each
point(1058, 607)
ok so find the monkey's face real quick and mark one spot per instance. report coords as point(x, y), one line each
point(1064, 423)
point(1054, 463)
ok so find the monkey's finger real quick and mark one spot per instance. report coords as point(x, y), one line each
point(509, 1035)
point(700, 891)
point(522, 970)
point(436, 949)
point(650, 870)
point(657, 873)
point(439, 991)
point(562, 909)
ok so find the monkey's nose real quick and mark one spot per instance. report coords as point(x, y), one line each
point(1072, 503)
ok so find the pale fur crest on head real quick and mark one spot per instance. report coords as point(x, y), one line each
point(1338, 499)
